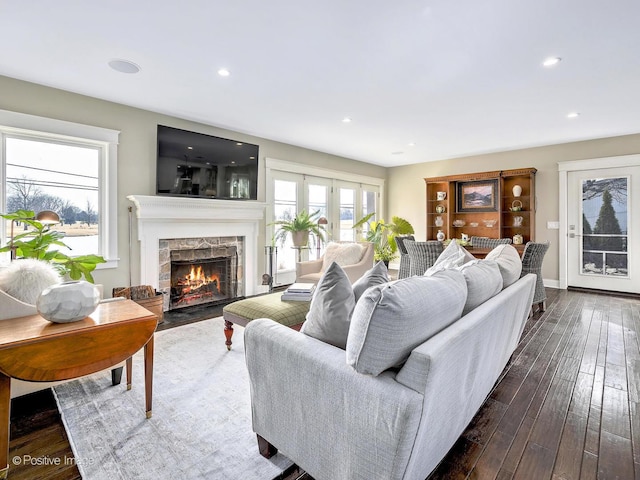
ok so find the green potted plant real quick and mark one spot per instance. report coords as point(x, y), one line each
point(37, 242)
point(383, 235)
point(299, 227)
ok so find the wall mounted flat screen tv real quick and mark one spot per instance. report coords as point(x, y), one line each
point(197, 165)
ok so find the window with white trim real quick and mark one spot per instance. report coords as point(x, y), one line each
point(68, 168)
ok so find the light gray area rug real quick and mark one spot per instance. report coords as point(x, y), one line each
point(201, 423)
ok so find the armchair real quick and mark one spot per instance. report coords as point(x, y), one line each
point(405, 261)
point(486, 242)
point(311, 271)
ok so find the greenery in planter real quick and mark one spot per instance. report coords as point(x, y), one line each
point(36, 243)
point(383, 235)
point(302, 222)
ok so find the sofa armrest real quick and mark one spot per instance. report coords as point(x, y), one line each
point(310, 404)
point(457, 368)
point(305, 268)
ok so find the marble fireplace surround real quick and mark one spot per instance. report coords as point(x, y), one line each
point(164, 218)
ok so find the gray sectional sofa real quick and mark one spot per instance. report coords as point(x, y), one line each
point(415, 371)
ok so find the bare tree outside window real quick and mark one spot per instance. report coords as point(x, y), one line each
point(47, 175)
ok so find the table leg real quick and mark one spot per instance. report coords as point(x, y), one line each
point(129, 372)
point(148, 375)
point(228, 333)
point(5, 412)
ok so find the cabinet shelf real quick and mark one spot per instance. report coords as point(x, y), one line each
point(502, 216)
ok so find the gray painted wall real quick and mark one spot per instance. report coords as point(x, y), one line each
point(137, 152)
point(406, 187)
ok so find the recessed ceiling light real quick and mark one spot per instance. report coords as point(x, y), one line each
point(238, 143)
point(346, 120)
point(233, 161)
point(412, 144)
point(397, 153)
point(551, 61)
point(124, 66)
point(573, 115)
point(189, 148)
point(252, 158)
point(223, 72)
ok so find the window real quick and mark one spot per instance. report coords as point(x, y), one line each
point(69, 168)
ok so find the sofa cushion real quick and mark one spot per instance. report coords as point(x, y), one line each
point(392, 319)
point(508, 259)
point(374, 276)
point(484, 280)
point(25, 279)
point(341, 253)
point(452, 256)
point(331, 308)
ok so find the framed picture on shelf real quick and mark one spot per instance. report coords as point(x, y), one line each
point(477, 196)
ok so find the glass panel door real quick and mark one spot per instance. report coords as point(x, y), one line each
point(317, 200)
point(601, 230)
point(347, 199)
point(285, 207)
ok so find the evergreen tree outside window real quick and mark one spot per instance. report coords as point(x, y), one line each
point(604, 246)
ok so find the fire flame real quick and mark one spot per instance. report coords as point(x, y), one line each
point(196, 278)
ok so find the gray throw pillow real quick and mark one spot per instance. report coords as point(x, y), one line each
point(374, 276)
point(392, 319)
point(331, 308)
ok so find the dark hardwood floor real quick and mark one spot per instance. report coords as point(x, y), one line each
point(566, 407)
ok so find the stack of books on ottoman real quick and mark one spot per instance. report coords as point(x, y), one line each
point(299, 292)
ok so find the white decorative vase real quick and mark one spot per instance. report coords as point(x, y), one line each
point(439, 222)
point(68, 301)
point(517, 190)
point(440, 236)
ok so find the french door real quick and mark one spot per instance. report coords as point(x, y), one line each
point(602, 236)
point(340, 203)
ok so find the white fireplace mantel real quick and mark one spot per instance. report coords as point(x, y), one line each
point(161, 217)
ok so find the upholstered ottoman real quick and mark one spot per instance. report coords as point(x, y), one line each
point(288, 313)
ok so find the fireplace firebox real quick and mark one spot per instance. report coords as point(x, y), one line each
point(204, 275)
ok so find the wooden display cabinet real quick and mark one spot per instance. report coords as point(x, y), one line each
point(491, 214)
point(521, 221)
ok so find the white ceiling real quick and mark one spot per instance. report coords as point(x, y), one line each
point(455, 77)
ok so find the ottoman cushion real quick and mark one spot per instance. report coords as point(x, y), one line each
point(266, 306)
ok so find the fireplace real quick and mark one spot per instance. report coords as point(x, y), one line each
point(165, 224)
point(204, 275)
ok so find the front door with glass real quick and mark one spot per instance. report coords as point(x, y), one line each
point(601, 230)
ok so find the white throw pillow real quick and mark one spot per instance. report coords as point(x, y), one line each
point(483, 282)
point(25, 279)
point(508, 259)
point(392, 319)
point(341, 253)
point(331, 307)
point(452, 256)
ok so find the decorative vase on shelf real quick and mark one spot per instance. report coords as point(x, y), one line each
point(439, 222)
point(517, 190)
point(440, 236)
point(68, 301)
